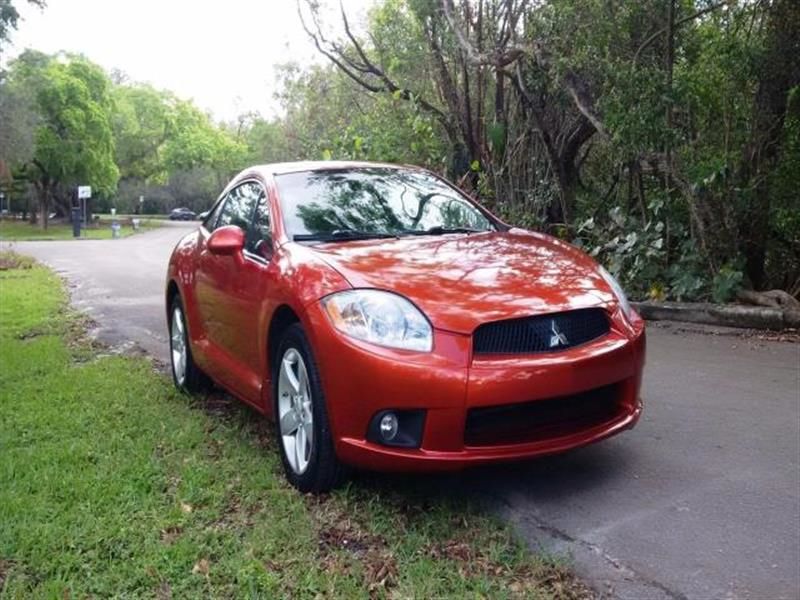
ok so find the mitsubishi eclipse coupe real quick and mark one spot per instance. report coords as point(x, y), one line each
point(386, 321)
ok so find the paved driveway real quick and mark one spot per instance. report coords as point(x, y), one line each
point(701, 500)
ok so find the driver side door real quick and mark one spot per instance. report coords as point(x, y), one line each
point(224, 296)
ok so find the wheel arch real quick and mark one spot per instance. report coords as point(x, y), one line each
point(172, 291)
point(283, 317)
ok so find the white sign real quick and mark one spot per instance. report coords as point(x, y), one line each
point(84, 191)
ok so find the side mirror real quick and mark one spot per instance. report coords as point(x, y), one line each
point(226, 241)
point(202, 216)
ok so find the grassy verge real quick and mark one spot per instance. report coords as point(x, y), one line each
point(23, 231)
point(113, 484)
point(119, 215)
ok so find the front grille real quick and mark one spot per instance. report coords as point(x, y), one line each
point(544, 333)
point(541, 419)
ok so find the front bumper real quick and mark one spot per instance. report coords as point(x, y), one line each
point(360, 379)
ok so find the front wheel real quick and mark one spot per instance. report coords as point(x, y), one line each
point(186, 375)
point(301, 417)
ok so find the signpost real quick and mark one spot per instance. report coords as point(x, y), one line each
point(84, 193)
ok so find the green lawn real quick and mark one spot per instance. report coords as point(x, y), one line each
point(111, 483)
point(21, 230)
point(108, 217)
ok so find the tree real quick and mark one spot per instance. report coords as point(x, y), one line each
point(142, 120)
point(73, 142)
point(779, 73)
point(194, 141)
point(660, 133)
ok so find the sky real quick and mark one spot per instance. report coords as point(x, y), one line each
point(220, 54)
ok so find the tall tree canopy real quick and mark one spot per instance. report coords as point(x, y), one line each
point(652, 132)
point(72, 139)
point(661, 135)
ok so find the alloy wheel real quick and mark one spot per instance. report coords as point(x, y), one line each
point(295, 412)
point(178, 346)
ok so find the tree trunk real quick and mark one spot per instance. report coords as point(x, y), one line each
point(780, 71)
point(44, 207)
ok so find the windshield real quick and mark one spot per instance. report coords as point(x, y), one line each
point(373, 202)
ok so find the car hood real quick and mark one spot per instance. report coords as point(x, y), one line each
point(461, 281)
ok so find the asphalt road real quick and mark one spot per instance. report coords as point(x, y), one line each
point(701, 500)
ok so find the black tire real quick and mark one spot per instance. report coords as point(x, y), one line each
point(195, 380)
point(324, 471)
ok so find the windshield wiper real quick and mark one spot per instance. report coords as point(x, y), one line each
point(341, 235)
point(439, 230)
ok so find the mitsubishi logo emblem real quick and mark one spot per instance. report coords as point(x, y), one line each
point(558, 338)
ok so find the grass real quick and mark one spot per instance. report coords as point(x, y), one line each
point(23, 231)
point(112, 484)
point(157, 217)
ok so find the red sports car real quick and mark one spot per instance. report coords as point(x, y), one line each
point(387, 321)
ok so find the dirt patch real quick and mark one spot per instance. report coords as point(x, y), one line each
point(170, 535)
point(5, 569)
point(10, 260)
point(522, 581)
point(757, 335)
point(345, 546)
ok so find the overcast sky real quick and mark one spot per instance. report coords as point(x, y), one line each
point(221, 54)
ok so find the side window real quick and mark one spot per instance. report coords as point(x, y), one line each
point(211, 220)
point(238, 207)
point(259, 240)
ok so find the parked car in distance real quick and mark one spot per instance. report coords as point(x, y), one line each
point(182, 214)
point(386, 321)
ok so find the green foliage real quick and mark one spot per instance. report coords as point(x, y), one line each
point(668, 194)
point(61, 106)
point(194, 142)
point(633, 251)
point(327, 118)
point(726, 283)
point(142, 120)
point(74, 142)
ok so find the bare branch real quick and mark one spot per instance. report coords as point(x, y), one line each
point(677, 24)
point(319, 39)
point(577, 87)
point(495, 58)
point(361, 69)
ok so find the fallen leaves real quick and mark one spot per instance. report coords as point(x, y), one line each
point(170, 534)
point(201, 567)
point(5, 568)
point(342, 541)
point(10, 260)
point(164, 591)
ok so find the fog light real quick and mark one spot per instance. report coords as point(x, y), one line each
point(400, 428)
point(389, 426)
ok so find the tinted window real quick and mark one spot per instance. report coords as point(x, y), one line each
point(374, 200)
point(239, 205)
point(259, 232)
point(211, 219)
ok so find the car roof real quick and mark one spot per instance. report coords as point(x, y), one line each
point(319, 165)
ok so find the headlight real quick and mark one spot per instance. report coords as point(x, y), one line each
point(630, 313)
point(381, 318)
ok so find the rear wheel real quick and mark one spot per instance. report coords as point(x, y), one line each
point(301, 417)
point(186, 375)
